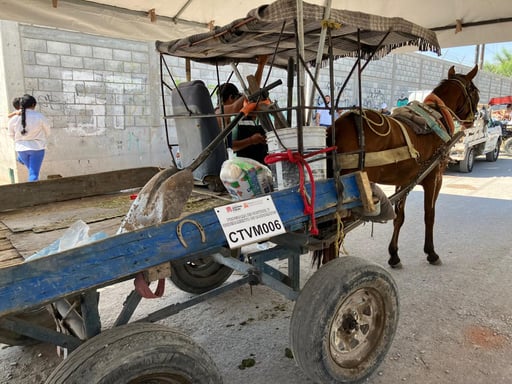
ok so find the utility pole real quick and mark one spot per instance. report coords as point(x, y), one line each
point(482, 53)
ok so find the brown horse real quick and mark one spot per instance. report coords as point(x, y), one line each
point(454, 98)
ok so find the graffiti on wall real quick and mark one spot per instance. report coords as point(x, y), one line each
point(373, 98)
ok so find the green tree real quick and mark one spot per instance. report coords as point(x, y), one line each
point(502, 63)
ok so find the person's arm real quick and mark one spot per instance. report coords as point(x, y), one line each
point(257, 138)
point(14, 113)
point(230, 109)
point(11, 128)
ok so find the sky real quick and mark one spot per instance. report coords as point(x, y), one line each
point(466, 55)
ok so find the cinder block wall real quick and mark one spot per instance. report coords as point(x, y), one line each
point(102, 95)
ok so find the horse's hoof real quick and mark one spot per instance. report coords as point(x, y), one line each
point(396, 266)
point(436, 262)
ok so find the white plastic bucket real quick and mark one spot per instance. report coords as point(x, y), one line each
point(286, 174)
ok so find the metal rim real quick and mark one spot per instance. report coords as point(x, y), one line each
point(202, 267)
point(357, 327)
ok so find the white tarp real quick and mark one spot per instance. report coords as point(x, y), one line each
point(481, 21)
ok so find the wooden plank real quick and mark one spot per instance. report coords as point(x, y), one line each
point(10, 257)
point(15, 196)
point(119, 257)
point(47, 217)
point(365, 191)
point(5, 244)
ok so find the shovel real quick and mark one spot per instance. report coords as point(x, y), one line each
point(164, 196)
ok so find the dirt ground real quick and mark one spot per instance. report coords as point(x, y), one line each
point(455, 322)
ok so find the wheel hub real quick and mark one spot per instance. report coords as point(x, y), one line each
point(357, 327)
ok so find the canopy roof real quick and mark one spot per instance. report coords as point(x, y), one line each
point(271, 28)
point(500, 100)
point(456, 22)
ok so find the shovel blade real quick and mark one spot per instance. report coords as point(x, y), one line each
point(162, 198)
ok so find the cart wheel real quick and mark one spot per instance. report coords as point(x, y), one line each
point(199, 276)
point(137, 353)
point(344, 321)
point(466, 164)
point(493, 155)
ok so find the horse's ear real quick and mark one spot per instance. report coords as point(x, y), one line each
point(472, 73)
point(451, 71)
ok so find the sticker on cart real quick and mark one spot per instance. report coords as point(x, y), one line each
point(249, 221)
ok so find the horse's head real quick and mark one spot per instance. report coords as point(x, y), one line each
point(460, 94)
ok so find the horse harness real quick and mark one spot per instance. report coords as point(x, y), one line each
point(421, 117)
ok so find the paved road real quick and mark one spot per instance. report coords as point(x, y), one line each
point(455, 323)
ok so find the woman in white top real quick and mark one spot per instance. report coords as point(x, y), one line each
point(30, 130)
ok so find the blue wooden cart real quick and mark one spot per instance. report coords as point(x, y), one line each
point(346, 314)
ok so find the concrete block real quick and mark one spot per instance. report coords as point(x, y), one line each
point(122, 55)
point(77, 87)
point(36, 45)
point(47, 59)
point(96, 64)
point(83, 75)
point(50, 84)
point(131, 67)
point(102, 53)
point(114, 65)
point(134, 88)
point(60, 73)
point(80, 50)
point(140, 57)
point(58, 47)
point(94, 87)
point(36, 71)
point(71, 62)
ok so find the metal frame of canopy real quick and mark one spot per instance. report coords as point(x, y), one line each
point(299, 36)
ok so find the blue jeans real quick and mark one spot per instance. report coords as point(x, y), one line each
point(33, 161)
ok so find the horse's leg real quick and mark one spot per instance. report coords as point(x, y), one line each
point(394, 260)
point(431, 187)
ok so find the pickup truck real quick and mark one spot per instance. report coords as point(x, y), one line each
point(478, 140)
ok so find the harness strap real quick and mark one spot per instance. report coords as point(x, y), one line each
point(433, 99)
point(388, 156)
point(412, 151)
point(374, 159)
point(433, 123)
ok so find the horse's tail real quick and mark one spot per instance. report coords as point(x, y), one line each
point(322, 256)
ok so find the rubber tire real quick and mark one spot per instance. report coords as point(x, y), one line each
point(327, 291)
point(507, 146)
point(466, 165)
point(39, 316)
point(137, 353)
point(493, 155)
point(199, 276)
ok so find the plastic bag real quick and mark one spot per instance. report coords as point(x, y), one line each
point(245, 178)
point(76, 235)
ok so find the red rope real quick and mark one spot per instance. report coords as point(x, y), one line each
point(300, 161)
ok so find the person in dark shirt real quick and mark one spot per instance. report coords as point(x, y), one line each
point(248, 137)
